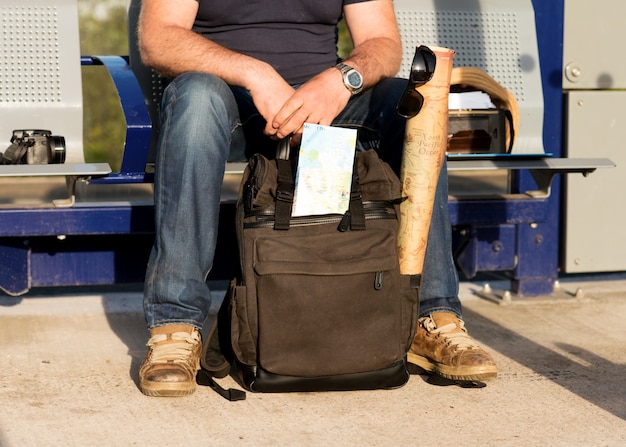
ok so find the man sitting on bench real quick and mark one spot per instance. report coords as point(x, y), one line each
point(245, 74)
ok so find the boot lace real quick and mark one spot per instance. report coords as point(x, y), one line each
point(452, 336)
point(176, 349)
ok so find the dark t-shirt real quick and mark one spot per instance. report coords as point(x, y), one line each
point(297, 37)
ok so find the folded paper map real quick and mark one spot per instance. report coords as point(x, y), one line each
point(324, 173)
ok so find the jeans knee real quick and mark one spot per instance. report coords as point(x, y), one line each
point(199, 112)
point(197, 84)
point(200, 95)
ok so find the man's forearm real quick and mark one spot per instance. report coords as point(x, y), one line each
point(376, 59)
point(377, 49)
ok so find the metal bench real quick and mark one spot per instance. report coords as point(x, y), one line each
point(107, 242)
point(51, 240)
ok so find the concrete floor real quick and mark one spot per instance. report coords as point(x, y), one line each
point(69, 366)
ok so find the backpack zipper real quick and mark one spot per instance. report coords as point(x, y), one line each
point(373, 211)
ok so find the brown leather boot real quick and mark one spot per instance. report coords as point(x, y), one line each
point(172, 361)
point(443, 346)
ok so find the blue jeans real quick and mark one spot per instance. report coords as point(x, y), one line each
point(204, 123)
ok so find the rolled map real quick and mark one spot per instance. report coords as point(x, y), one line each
point(425, 143)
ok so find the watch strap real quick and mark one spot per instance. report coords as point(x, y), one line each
point(345, 69)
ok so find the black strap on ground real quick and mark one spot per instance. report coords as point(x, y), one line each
point(231, 394)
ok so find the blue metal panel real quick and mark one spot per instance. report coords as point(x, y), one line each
point(95, 246)
point(15, 277)
point(485, 248)
point(538, 246)
point(76, 221)
point(73, 246)
point(72, 261)
point(488, 211)
point(73, 268)
point(88, 260)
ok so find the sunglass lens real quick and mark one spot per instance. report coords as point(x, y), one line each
point(422, 70)
point(423, 65)
point(410, 103)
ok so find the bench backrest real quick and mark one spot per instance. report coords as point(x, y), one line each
point(497, 36)
point(40, 76)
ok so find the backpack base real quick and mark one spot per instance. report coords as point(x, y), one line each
point(258, 380)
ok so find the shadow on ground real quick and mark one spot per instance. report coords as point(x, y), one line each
point(589, 376)
point(578, 370)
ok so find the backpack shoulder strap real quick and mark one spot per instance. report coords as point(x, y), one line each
point(284, 195)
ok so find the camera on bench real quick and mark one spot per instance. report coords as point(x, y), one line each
point(32, 146)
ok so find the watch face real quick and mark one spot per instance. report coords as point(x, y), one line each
point(354, 79)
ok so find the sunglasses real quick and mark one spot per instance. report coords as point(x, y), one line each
point(422, 70)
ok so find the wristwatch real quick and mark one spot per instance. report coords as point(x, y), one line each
point(352, 79)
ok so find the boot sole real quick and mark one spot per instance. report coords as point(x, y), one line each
point(167, 390)
point(454, 372)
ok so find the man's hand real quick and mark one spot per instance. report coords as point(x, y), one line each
point(269, 95)
point(317, 101)
point(376, 54)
